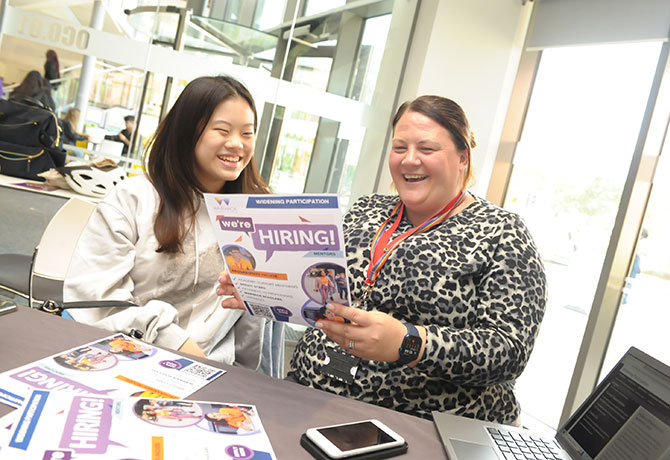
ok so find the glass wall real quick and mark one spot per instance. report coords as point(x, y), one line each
point(644, 311)
point(569, 170)
point(313, 79)
point(298, 129)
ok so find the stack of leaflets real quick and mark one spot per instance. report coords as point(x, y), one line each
point(285, 254)
point(64, 425)
point(120, 398)
point(117, 365)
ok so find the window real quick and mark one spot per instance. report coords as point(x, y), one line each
point(569, 170)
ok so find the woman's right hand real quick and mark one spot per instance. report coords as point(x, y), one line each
point(226, 288)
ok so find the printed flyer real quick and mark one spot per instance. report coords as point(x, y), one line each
point(36, 186)
point(6, 424)
point(60, 425)
point(285, 254)
point(118, 365)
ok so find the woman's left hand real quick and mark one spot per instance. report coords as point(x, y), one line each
point(375, 335)
point(226, 288)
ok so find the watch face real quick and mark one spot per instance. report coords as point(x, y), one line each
point(411, 346)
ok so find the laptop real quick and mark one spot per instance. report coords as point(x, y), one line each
point(626, 417)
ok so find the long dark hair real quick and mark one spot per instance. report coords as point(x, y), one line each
point(171, 162)
point(451, 117)
point(31, 85)
point(52, 65)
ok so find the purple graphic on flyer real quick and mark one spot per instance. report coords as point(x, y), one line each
point(289, 237)
point(88, 425)
point(239, 452)
point(42, 379)
point(236, 224)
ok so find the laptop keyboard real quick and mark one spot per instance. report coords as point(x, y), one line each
point(522, 446)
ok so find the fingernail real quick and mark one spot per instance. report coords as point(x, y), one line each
point(219, 292)
point(319, 325)
point(328, 306)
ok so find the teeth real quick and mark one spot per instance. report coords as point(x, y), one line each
point(229, 158)
point(413, 177)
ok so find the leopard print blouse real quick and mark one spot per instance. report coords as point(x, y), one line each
point(476, 282)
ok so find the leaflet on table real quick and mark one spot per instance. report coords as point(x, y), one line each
point(285, 254)
point(6, 424)
point(118, 366)
point(66, 426)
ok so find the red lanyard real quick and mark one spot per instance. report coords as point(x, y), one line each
point(381, 247)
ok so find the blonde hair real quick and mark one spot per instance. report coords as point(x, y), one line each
point(72, 116)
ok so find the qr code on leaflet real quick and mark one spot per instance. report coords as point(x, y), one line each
point(260, 310)
point(200, 370)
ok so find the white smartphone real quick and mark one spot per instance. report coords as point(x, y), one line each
point(345, 440)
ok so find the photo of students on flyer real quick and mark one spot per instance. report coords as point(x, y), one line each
point(169, 412)
point(238, 258)
point(121, 345)
point(326, 282)
point(229, 418)
point(86, 359)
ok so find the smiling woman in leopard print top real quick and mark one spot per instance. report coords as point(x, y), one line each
point(455, 308)
point(475, 282)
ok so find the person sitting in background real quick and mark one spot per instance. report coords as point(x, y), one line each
point(448, 289)
point(126, 135)
point(69, 123)
point(35, 90)
point(151, 241)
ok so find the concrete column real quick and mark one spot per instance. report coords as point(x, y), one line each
point(88, 66)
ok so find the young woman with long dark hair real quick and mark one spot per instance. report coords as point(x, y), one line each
point(151, 241)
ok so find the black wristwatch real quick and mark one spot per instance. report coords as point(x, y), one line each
point(411, 345)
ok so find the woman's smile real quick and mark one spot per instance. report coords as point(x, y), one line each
point(413, 177)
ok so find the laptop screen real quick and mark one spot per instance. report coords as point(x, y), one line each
point(626, 417)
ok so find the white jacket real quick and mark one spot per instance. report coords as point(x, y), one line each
point(116, 259)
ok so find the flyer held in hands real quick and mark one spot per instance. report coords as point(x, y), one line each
point(285, 254)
